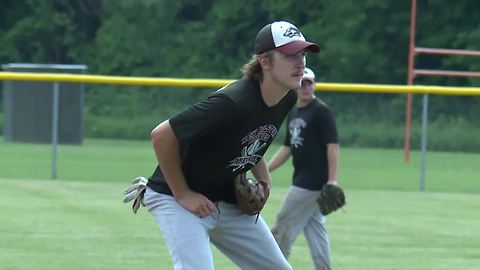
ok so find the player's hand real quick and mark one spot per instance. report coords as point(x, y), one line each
point(332, 182)
point(268, 183)
point(197, 204)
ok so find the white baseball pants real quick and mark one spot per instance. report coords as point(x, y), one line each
point(248, 244)
point(299, 212)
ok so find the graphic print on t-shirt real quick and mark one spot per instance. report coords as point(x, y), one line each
point(295, 128)
point(252, 143)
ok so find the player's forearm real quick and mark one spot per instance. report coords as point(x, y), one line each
point(260, 172)
point(333, 155)
point(282, 154)
point(166, 147)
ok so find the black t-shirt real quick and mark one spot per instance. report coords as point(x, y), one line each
point(223, 136)
point(309, 131)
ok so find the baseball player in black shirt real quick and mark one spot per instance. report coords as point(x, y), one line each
point(312, 142)
point(201, 150)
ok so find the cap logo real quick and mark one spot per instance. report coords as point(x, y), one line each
point(292, 32)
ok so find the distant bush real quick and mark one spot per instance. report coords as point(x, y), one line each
point(453, 135)
point(120, 128)
point(442, 135)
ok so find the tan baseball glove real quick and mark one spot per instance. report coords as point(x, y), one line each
point(251, 194)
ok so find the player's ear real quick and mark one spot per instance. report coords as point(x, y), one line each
point(265, 60)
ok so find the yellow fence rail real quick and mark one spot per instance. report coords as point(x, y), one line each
point(217, 83)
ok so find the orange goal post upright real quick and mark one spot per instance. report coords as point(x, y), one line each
point(413, 73)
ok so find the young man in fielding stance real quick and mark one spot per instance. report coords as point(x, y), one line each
point(201, 150)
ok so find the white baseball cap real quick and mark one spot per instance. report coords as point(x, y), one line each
point(284, 37)
point(308, 75)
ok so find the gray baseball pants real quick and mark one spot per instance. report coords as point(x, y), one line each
point(249, 245)
point(299, 212)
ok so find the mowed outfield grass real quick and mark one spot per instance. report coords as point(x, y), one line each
point(120, 161)
point(79, 221)
point(84, 225)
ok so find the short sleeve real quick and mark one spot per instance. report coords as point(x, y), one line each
point(326, 126)
point(217, 111)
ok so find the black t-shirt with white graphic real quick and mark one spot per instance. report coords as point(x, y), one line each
point(309, 131)
point(223, 136)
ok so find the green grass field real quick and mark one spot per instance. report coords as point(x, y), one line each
point(79, 221)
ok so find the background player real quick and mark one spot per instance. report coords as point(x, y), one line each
point(312, 142)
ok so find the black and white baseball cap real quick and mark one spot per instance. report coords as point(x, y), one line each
point(283, 37)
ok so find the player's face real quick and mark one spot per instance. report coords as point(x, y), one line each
point(287, 70)
point(306, 92)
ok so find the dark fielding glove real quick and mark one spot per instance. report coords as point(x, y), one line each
point(135, 192)
point(331, 199)
point(251, 194)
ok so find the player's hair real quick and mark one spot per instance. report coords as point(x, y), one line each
point(252, 69)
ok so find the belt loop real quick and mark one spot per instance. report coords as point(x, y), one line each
point(217, 205)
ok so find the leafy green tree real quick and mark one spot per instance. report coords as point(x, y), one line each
point(44, 31)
